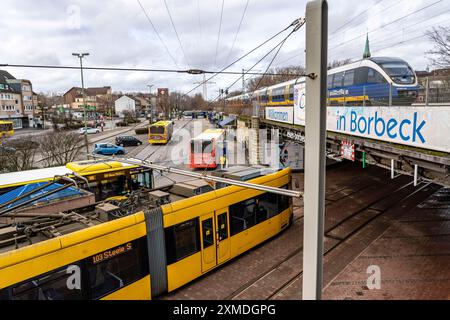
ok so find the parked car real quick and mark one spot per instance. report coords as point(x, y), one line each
point(88, 130)
point(126, 141)
point(108, 148)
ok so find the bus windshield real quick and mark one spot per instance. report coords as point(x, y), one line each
point(157, 130)
point(399, 72)
point(201, 146)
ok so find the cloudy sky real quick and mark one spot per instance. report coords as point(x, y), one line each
point(117, 33)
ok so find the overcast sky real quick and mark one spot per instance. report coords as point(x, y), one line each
point(117, 33)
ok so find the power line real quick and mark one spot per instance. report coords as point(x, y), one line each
point(157, 33)
point(237, 31)
point(387, 24)
point(218, 35)
point(294, 23)
point(279, 46)
point(358, 15)
point(176, 33)
point(190, 71)
point(395, 35)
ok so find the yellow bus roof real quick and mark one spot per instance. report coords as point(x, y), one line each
point(5, 122)
point(161, 123)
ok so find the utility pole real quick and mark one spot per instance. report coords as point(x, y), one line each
point(81, 56)
point(205, 83)
point(315, 143)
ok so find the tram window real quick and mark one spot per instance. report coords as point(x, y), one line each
point(268, 203)
point(117, 267)
point(51, 286)
point(374, 76)
point(284, 202)
point(208, 233)
point(182, 240)
point(222, 226)
point(337, 79)
point(349, 77)
point(242, 216)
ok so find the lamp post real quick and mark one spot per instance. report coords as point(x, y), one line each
point(150, 99)
point(81, 56)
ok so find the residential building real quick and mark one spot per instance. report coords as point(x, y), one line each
point(17, 100)
point(98, 99)
point(127, 103)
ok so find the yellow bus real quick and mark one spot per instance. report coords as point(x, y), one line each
point(6, 129)
point(191, 230)
point(104, 178)
point(160, 132)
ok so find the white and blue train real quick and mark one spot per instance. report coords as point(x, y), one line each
point(373, 81)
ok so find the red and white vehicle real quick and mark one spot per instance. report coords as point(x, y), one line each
point(206, 149)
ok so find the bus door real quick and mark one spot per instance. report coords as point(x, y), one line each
point(215, 239)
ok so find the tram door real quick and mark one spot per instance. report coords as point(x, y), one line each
point(215, 239)
point(208, 242)
point(223, 236)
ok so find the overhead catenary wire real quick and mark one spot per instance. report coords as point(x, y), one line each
point(157, 33)
point(176, 33)
point(279, 46)
point(294, 23)
point(355, 17)
point(218, 34)
point(190, 71)
point(237, 31)
point(386, 24)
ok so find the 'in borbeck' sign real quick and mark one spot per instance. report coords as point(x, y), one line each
point(419, 126)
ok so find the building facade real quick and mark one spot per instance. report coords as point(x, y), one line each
point(17, 100)
point(126, 103)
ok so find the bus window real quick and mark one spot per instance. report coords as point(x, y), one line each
point(51, 286)
point(144, 179)
point(349, 78)
point(201, 146)
point(157, 130)
point(182, 240)
point(117, 267)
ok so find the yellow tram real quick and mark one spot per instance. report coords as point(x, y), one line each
point(145, 254)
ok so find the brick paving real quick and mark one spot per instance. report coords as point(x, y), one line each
point(359, 217)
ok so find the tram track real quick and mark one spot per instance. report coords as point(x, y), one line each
point(331, 244)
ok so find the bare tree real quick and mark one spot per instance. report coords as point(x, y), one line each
point(18, 154)
point(59, 148)
point(439, 56)
point(281, 75)
point(338, 63)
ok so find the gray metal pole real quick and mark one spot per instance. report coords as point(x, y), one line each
point(315, 135)
point(82, 88)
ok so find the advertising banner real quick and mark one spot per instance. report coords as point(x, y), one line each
point(280, 114)
point(425, 127)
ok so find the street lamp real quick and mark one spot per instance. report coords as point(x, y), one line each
point(81, 56)
point(150, 99)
